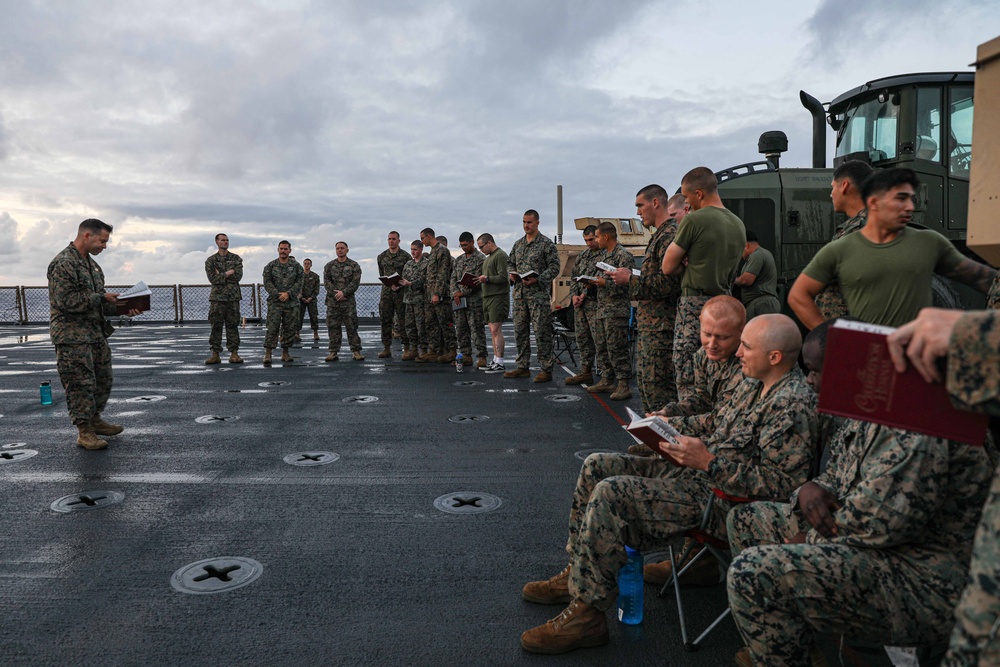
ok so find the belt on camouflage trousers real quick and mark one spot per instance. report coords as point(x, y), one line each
point(693, 291)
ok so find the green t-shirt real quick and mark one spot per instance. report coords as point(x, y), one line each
point(761, 264)
point(495, 270)
point(713, 239)
point(885, 283)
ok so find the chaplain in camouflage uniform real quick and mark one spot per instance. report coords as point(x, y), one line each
point(532, 297)
point(341, 278)
point(390, 303)
point(414, 274)
point(711, 240)
point(283, 284)
point(78, 305)
point(758, 446)
point(437, 301)
point(611, 332)
point(469, 320)
point(846, 196)
point(225, 271)
point(307, 300)
point(657, 296)
point(583, 296)
point(970, 341)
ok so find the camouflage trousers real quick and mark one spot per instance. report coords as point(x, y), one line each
point(85, 373)
point(440, 326)
point(416, 333)
point(469, 323)
point(831, 302)
point(654, 369)
point(533, 314)
point(224, 314)
point(687, 337)
point(975, 640)
point(313, 311)
point(342, 314)
point(283, 316)
point(781, 594)
point(619, 500)
point(613, 350)
point(762, 305)
point(390, 306)
point(584, 321)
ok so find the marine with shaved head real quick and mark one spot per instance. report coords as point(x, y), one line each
point(757, 445)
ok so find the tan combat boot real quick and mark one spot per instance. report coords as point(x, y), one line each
point(102, 427)
point(285, 356)
point(578, 626)
point(214, 359)
point(518, 373)
point(481, 362)
point(622, 393)
point(88, 439)
point(543, 376)
point(235, 358)
point(447, 357)
point(331, 357)
point(639, 449)
point(267, 356)
point(703, 573)
point(386, 353)
point(428, 356)
point(554, 590)
point(466, 360)
point(409, 353)
point(315, 336)
point(605, 385)
point(357, 356)
point(583, 377)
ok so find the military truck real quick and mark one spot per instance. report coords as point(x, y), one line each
point(919, 121)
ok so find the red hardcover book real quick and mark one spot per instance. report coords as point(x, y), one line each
point(140, 302)
point(860, 382)
point(469, 280)
point(650, 431)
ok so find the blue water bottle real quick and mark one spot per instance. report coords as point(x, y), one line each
point(458, 362)
point(45, 392)
point(630, 589)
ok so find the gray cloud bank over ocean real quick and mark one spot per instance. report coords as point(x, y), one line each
point(319, 122)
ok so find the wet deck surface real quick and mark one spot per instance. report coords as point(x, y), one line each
point(359, 566)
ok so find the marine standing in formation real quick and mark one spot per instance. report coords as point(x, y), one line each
point(307, 301)
point(437, 296)
point(583, 296)
point(611, 332)
point(495, 282)
point(656, 294)
point(390, 304)
point(78, 305)
point(225, 271)
point(341, 278)
point(283, 284)
point(533, 252)
point(469, 320)
point(413, 276)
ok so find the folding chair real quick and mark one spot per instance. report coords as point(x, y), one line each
point(714, 546)
point(563, 341)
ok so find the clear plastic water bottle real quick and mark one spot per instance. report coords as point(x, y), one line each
point(45, 392)
point(630, 589)
point(458, 362)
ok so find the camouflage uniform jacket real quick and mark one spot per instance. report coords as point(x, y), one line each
point(341, 276)
point(656, 293)
point(612, 299)
point(389, 264)
point(830, 300)
point(973, 377)
point(416, 273)
point(714, 384)
point(467, 264)
point(586, 265)
point(764, 446)
point(908, 494)
point(76, 299)
point(310, 285)
point(280, 278)
point(438, 273)
point(993, 298)
point(224, 288)
point(540, 256)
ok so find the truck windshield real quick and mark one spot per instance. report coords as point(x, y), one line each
point(870, 127)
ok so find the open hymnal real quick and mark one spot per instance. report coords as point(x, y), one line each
point(134, 298)
point(585, 279)
point(518, 277)
point(651, 431)
point(604, 266)
point(391, 280)
point(469, 280)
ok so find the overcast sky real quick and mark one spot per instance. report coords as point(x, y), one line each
point(337, 120)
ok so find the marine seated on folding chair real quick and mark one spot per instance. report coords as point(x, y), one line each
point(759, 445)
